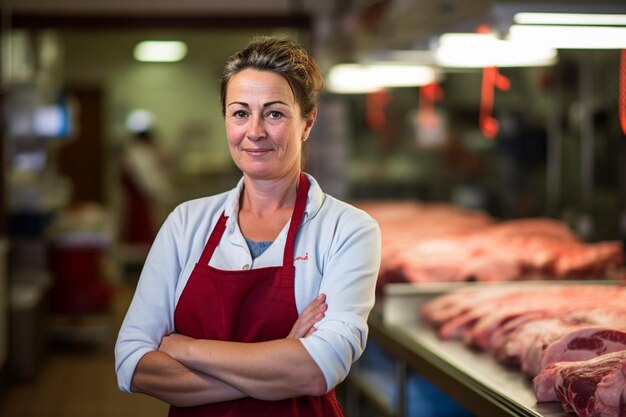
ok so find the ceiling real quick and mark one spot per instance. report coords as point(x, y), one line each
point(165, 6)
point(350, 27)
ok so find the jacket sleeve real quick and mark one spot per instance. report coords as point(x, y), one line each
point(151, 312)
point(349, 282)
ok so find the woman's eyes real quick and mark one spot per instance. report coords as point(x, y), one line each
point(274, 114)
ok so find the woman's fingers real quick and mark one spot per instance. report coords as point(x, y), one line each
point(174, 344)
point(313, 313)
point(317, 306)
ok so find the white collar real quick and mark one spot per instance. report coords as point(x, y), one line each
point(314, 202)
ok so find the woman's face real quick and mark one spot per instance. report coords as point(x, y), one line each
point(264, 125)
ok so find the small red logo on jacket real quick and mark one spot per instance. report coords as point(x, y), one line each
point(302, 258)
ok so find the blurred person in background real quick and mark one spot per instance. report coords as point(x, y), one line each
point(146, 187)
point(255, 301)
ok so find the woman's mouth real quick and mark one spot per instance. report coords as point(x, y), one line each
point(257, 152)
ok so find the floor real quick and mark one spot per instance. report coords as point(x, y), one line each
point(79, 381)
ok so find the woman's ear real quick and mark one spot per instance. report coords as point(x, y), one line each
point(310, 121)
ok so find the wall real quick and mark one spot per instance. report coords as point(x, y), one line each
point(183, 96)
point(177, 93)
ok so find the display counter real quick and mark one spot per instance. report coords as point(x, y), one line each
point(473, 378)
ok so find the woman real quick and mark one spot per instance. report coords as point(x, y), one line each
point(222, 322)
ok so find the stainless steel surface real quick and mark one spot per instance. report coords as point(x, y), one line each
point(476, 368)
point(477, 374)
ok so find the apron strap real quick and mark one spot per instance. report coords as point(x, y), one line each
point(296, 218)
point(214, 239)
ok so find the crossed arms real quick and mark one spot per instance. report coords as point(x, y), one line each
point(189, 372)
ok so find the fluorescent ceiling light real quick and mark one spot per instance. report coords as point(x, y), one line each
point(400, 56)
point(474, 50)
point(351, 78)
point(160, 51)
point(356, 78)
point(570, 37)
point(401, 75)
point(569, 19)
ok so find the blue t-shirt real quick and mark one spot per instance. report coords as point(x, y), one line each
point(257, 248)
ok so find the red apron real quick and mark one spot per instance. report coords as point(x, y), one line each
point(247, 306)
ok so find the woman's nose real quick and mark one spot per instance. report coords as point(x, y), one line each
point(256, 130)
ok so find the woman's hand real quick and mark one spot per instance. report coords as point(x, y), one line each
point(313, 313)
point(175, 345)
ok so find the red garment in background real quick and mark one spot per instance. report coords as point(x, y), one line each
point(138, 218)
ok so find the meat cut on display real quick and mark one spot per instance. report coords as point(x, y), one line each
point(555, 333)
point(479, 317)
point(583, 344)
point(505, 252)
point(523, 342)
point(589, 388)
point(445, 243)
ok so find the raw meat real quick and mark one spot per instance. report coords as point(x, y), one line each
point(593, 388)
point(445, 307)
point(552, 345)
point(594, 259)
point(573, 338)
point(610, 393)
point(544, 382)
point(513, 347)
point(480, 317)
point(405, 224)
point(590, 388)
point(446, 243)
point(480, 335)
point(583, 344)
point(522, 342)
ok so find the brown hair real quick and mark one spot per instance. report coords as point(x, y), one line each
point(285, 57)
